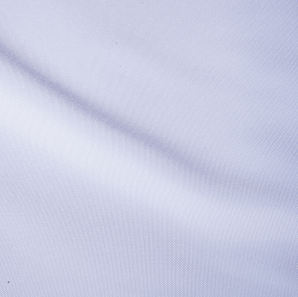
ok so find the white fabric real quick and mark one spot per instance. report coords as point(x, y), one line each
point(148, 148)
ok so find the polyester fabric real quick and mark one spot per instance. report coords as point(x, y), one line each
point(148, 148)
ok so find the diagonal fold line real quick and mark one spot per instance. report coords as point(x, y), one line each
point(217, 178)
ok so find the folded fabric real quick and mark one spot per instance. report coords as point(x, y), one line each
point(148, 148)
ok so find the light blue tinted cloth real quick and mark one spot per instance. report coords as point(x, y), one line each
point(148, 148)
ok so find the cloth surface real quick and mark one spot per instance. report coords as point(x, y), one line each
point(148, 148)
